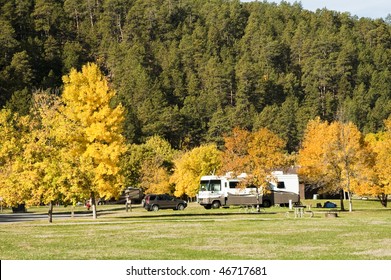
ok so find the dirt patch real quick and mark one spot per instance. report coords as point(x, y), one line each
point(377, 253)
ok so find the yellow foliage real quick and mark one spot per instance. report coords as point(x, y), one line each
point(16, 180)
point(266, 152)
point(155, 179)
point(190, 166)
point(96, 143)
point(379, 176)
point(149, 165)
point(333, 156)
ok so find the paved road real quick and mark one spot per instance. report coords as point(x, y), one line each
point(25, 217)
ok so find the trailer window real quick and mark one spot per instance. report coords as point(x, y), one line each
point(233, 185)
point(280, 185)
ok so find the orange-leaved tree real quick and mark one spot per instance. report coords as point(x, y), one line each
point(266, 153)
point(235, 156)
point(255, 153)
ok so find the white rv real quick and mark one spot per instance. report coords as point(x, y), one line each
point(216, 191)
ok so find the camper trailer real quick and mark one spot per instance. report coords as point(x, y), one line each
point(134, 194)
point(216, 191)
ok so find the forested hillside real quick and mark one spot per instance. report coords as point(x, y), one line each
point(191, 70)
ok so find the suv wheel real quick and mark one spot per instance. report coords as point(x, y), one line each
point(155, 207)
point(180, 207)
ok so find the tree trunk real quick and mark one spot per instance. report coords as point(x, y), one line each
point(93, 204)
point(341, 196)
point(383, 199)
point(91, 13)
point(50, 212)
point(347, 165)
point(77, 21)
point(119, 24)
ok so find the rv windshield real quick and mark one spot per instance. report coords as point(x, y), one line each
point(211, 185)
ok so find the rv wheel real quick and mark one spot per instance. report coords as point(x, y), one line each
point(266, 203)
point(216, 204)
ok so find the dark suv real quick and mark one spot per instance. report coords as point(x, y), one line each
point(154, 202)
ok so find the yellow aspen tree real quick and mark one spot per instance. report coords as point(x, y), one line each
point(333, 157)
point(155, 178)
point(32, 168)
point(313, 158)
point(312, 153)
point(379, 177)
point(190, 166)
point(42, 152)
point(348, 156)
point(149, 165)
point(14, 189)
point(156, 166)
point(95, 143)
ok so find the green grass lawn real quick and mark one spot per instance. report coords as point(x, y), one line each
point(196, 233)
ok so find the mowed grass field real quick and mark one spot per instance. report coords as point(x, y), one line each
point(196, 233)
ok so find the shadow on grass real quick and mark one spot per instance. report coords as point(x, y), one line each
point(82, 211)
point(176, 214)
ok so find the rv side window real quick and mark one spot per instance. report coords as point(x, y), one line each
point(233, 185)
point(280, 185)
